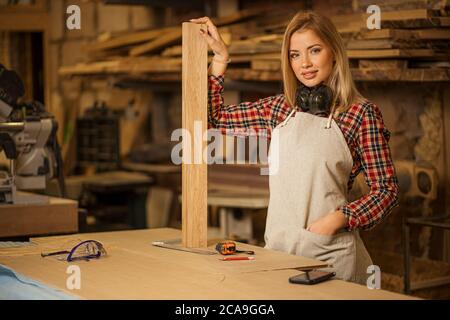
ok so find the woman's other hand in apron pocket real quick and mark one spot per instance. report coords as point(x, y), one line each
point(326, 240)
point(329, 224)
point(338, 250)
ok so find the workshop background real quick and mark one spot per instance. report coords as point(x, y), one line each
point(114, 88)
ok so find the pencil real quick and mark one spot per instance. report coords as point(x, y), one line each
point(237, 258)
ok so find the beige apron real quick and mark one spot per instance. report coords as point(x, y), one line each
point(314, 165)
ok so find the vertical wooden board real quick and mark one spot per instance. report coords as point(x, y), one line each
point(47, 69)
point(446, 179)
point(195, 103)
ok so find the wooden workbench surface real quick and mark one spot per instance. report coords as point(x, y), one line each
point(134, 269)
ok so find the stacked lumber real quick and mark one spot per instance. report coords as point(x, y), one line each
point(412, 45)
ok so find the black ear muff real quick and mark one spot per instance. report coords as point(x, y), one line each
point(316, 100)
point(302, 97)
point(320, 100)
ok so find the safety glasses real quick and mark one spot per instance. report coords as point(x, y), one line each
point(85, 250)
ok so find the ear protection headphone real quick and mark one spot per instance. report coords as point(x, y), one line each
point(316, 100)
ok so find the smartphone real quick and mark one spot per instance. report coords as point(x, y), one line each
point(312, 277)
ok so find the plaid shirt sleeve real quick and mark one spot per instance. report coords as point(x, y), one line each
point(372, 147)
point(246, 118)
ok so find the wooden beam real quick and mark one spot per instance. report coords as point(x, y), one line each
point(195, 104)
point(129, 39)
point(390, 53)
point(124, 65)
point(422, 34)
point(382, 64)
point(446, 179)
point(37, 6)
point(24, 21)
point(407, 75)
point(431, 283)
point(268, 65)
point(47, 71)
point(159, 43)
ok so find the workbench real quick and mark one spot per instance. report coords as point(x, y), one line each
point(134, 269)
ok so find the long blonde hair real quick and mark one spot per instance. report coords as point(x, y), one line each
point(340, 80)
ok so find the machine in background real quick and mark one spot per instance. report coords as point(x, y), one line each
point(28, 139)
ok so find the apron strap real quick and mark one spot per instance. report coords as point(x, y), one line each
point(282, 124)
point(329, 121)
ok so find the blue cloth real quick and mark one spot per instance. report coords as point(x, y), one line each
point(14, 286)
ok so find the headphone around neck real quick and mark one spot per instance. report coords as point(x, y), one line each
point(316, 100)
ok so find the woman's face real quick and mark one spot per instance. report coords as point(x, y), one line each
point(311, 59)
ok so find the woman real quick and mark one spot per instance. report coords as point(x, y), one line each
point(319, 157)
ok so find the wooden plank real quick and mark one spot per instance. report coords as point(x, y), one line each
point(254, 47)
point(36, 7)
point(390, 53)
point(24, 21)
point(383, 64)
point(239, 58)
point(441, 281)
point(371, 44)
point(429, 64)
point(129, 39)
point(432, 34)
point(444, 21)
point(238, 16)
point(417, 23)
point(422, 34)
point(257, 75)
point(175, 51)
point(166, 39)
point(124, 65)
point(446, 178)
point(395, 5)
point(406, 75)
point(48, 72)
point(195, 104)
point(401, 15)
point(270, 65)
point(407, 18)
point(172, 51)
point(382, 34)
point(175, 35)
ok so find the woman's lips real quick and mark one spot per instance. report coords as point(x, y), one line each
point(309, 75)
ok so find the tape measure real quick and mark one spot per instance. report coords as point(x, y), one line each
point(229, 247)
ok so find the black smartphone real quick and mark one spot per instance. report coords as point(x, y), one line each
point(312, 277)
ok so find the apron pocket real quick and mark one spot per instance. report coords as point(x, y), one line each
point(337, 250)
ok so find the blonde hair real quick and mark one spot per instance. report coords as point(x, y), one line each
point(340, 81)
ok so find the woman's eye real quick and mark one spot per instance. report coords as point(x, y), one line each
point(315, 50)
point(294, 55)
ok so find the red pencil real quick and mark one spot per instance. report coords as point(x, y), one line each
point(237, 258)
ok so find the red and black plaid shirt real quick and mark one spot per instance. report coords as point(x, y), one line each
point(362, 126)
